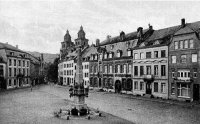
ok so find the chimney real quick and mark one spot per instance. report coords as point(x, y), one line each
point(183, 22)
point(97, 42)
point(17, 46)
point(140, 32)
point(122, 35)
point(150, 27)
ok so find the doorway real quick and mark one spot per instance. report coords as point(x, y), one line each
point(196, 92)
point(118, 86)
point(99, 82)
point(148, 87)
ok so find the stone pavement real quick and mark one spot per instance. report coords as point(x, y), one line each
point(21, 106)
point(143, 110)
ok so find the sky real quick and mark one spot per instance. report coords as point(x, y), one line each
point(41, 25)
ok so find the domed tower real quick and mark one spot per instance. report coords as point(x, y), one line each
point(81, 41)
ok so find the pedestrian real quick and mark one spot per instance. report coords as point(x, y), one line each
point(70, 91)
point(31, 86)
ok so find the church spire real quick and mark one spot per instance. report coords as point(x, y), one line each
point(81, 33)
point(67, 37)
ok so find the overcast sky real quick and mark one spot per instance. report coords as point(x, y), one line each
point(41, 25)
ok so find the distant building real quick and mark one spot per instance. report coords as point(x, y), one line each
point(16, 67)
point(160, 63)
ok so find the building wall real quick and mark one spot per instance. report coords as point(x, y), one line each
point(138, 87)
point(23, 68)
point(86, 77)
point(188, 66)
point(68, 72)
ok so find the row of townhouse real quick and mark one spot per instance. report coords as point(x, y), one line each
point(16, 67)
point(160, 63)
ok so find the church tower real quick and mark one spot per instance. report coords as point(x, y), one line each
point(66, 45)
point(81, 41)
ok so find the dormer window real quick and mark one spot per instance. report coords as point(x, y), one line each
point(100, 56)
point(129, 52)
point(11, 53)
point(156, 42)
point(111, 55)
point(119, 53)
point(128, 43)
point(111, 47)
point(105, 55)
point(95, 57)
point(92, 57)
point(142, 44)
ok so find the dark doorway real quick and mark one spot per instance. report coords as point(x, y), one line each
point(196, 92)
point(67, 81)
point(99, 82)
point(148, 87)
point(118, 86)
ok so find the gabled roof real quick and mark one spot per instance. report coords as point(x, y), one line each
point(162, 33)
point(129, 36)
point(189, 28)
point(89, 51)
point(8, 46)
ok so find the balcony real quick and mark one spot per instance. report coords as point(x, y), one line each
point(184, 79)
point(148, 78)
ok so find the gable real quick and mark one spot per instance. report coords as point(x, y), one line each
point(184, 30)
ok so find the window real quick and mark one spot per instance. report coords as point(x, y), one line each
point(15, 62)
point(19, 62)
point(194, 57)
point(125, 69)
point(172, 88)
point(181, 44)
point(129, 52)
point(191, 43)
point(148, 54)
point(163, 86)
point(135, 56)
point(129, 68)
point(116, 68)
point(148, 69)
point(141, 55)
point(173, 74)
point(10, 62)
point(64, 72)
point(136, 70)
point(186, 44)
point(163, 53)
point(183, 90)
point(141, 85)
point(136, 85)
point(155, 54)
point(23, 63)
point(15, 82)
point(156, 70)
point(100, 56)
point(121, 69)
point(105, 55)
point(9, 82)
point(110, 55)
point(110, 68)
point(141, 70)
point(183, 58)
point(64, 65)
point(105, 69)
point(15, 71)
point(175, 45)
point(100, 69)
point(111, 46)
point(119, 53)
point(155, 87)
point(173, 59)
point(10, 72)
point(27, 63)
point(163, 70)
point(195, 73)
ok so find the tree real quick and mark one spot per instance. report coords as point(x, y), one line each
point(52, 72)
